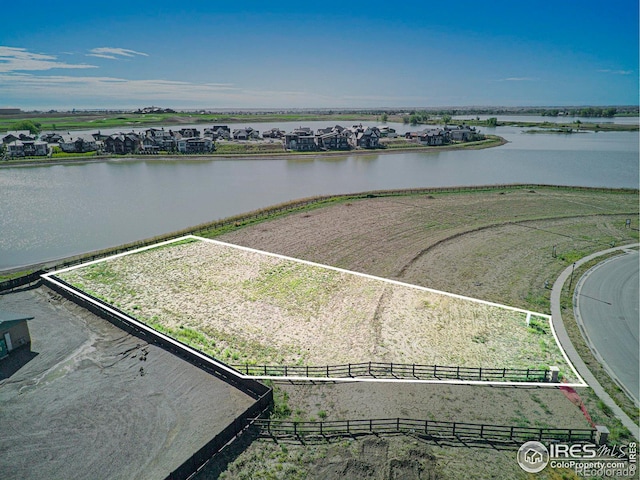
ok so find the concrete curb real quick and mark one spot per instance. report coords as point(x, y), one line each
point(563, 338)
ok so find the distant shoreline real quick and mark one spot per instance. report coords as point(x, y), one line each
point(490, 142)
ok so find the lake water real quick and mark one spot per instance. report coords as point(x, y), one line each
point(48, 212)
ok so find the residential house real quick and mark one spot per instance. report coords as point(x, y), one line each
point(51, 137)
point(189, 132)
point(27, 148)
point(333, 140)
point(323, 131)
point(158, 139)
point(368, 138)
point(80, 144)
point(123, 143)
point(303, 131)
point(12, 136)
point(246, 133)
point(196, 145)
point(273, 133)
point(462, 133)
point(150, 145)
point(432, 137)
point(300, 142)
point(218, 132)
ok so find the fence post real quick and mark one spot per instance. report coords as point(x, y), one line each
point(391, 369)
point(480, 373)
point(398, 424)
point(426, 427)
point(540, 437)
point(413, 369)
point(321, 428)
point(327, 371)
point(527, 374)
point(458, 372)
point(349, 369)
point(435, 368)
point(453, 432)
point(285, 371)
point(511, 433)
point(348, 429)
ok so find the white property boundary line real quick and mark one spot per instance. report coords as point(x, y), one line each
point(142, 326)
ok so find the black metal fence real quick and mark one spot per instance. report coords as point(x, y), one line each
point(398, 370)
point(21, 281)
point(217, 443)
point(428, 428)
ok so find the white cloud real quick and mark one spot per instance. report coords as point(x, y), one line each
point(114, 53)
point(19, 59)
point(616, 72)
point(518, 79)
point(89, 92)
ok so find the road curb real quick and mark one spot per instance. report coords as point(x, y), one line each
point(567, 345)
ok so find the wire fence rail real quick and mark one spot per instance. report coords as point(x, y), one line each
point(399, 371)
point(428, 428)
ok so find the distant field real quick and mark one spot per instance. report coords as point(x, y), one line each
point(244, 306)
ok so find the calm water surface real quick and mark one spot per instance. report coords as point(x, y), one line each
point(53, 211)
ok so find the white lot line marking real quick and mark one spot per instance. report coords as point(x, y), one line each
point(529, 314)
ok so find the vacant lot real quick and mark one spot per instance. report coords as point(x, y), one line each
point(495, 245)
point(264, 309)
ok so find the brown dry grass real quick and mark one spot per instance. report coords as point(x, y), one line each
point(262, 309)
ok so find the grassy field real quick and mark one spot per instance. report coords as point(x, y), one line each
point(497, 245)
point(253, 308)
point(84, 120)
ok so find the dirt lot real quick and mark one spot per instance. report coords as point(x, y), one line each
point(496, 245)
point(269, 310)
point(90, 401)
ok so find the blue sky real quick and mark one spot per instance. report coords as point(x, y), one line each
point(318, 54)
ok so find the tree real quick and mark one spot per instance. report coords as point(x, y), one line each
point(492, 122)
point(384, 118)
point(33, 127)
point(446, 119)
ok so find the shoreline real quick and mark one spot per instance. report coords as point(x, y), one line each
point(490, 142)
point(223, 225)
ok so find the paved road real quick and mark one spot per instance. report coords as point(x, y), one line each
point(563, 337)
point(606, 299)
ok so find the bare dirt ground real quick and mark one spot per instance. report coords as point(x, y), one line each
point(91, 401)
point(272, 310)
point(494, 245)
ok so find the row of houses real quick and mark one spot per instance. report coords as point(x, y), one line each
point(443, 136)
point(191, 140)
